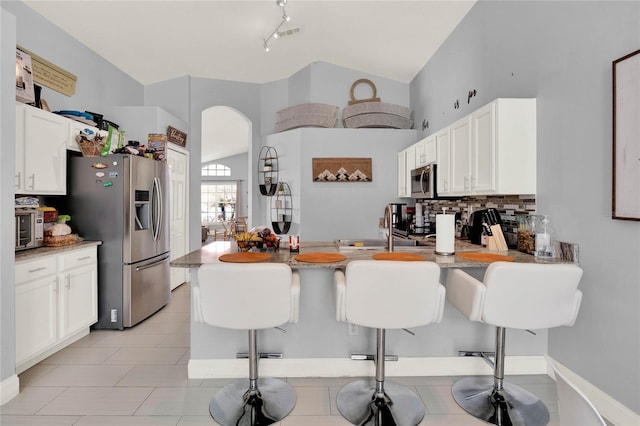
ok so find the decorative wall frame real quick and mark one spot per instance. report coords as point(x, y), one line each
point(350, 169)
point(626, 137)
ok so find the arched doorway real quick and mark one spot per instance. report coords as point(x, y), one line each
point(226, 139)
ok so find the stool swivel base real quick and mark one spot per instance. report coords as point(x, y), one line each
point(509, 406)
point(361, 404)
point(239, 405)
point(498, 402)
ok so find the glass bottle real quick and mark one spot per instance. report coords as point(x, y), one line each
point(543, 231)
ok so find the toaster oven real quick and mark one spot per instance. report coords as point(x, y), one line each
point(29, 228)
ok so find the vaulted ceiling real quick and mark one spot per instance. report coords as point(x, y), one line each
point(158, 40)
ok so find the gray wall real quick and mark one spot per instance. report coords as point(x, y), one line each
point(325, 211)
point(7, 182)
point(99, 84)
point(560, 53)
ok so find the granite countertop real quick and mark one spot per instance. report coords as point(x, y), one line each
point(211, 252)
point(46, 251)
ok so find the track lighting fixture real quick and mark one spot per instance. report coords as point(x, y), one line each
point(277, 33)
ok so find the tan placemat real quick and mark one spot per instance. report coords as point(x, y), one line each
point(485, 257)
point(320, 257)
point(244, 257)
point(398, 256)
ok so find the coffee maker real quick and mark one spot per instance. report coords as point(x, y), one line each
point(398, 215)
point(489, 216)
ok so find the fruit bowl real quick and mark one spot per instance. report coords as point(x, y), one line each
point(247, 245)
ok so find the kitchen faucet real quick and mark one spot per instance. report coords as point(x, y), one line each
point(388, 219)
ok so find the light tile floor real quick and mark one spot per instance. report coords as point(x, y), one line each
point(139, 377)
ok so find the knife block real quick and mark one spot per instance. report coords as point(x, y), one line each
point(496, 241)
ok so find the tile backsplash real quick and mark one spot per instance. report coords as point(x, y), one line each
point(509, 207)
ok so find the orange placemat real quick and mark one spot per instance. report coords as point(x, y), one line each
point(398, 256)
point(244, 257)
point(320, 257)
point(485, 257)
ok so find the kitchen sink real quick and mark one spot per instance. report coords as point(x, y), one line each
point(374, 244)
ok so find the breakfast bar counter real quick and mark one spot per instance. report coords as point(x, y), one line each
point(320, 346)
point(211, 252)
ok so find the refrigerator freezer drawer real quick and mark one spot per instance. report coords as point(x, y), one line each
point(146, 289)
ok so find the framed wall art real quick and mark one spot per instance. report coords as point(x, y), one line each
point(626, 137)
point(347, 169)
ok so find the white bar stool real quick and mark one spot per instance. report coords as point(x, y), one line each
point(386, 295)
point(513, 295)
point(250, 296)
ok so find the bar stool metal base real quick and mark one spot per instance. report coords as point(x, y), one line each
point(235, 405)
point(513, 406)
point(401, 407)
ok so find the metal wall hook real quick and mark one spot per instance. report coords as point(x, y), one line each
point(471, 94)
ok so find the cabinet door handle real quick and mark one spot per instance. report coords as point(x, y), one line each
point(37, 269)
point(67, 278)
point(33, 181)
point(18, 178)
point(84, 258)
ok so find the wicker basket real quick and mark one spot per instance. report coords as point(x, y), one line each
point(91, 148)
point(60, 240)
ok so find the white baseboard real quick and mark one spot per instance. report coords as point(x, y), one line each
point(9, 389)
point(344, 367)
point(608, 407)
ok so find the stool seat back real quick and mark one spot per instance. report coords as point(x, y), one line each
point(519, 295)
point(248, 296)
point(393, 294)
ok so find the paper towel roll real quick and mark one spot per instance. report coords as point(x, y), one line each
point(445, 233)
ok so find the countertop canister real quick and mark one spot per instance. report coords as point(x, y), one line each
point(445, 234)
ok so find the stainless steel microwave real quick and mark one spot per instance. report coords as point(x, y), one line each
point(29, 228)
point(423, 182)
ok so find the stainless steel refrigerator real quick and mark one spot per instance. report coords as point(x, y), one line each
point(122, 200)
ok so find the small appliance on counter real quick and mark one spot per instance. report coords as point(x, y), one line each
point(29, 226)
point(479, 219)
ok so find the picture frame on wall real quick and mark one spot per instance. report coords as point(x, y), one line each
point(626, 137)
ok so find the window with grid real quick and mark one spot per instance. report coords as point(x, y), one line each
point(218, 201)
point(216, 169)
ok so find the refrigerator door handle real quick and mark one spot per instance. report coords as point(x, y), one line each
point(151, 265)
point(156, 208)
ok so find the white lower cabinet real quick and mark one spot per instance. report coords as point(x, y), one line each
point(56, 302)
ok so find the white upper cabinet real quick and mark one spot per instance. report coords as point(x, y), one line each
point(426, 151)
point(41, 151)
point(443, 161)
point(483, 149)
point(460, 161)
point(492, 151)
point(406, 163)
